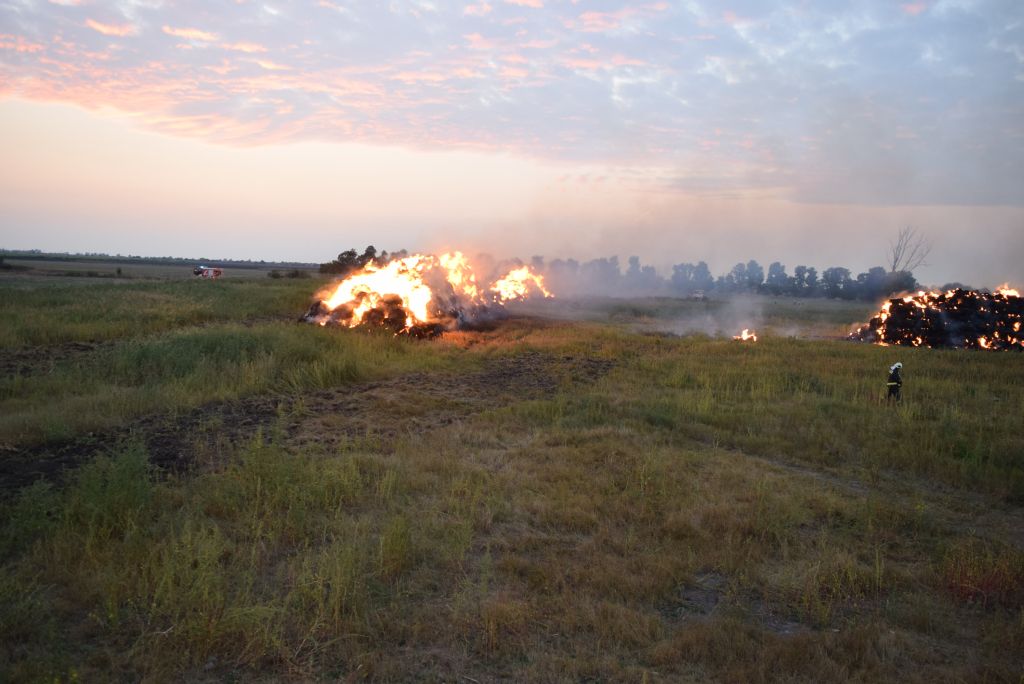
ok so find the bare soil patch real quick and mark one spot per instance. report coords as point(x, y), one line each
point(43, 359)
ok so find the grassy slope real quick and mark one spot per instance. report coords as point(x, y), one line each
point(704, 510)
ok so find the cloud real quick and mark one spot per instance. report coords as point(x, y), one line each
point(638, 83)
point(191, 34)
point(19, 44)
point(479, 9)
point(243, 47)
point(120, 30)
point(629, 17)
point(271, 66)
point(478, 42)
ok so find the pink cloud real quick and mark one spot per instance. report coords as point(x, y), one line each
point(595, 22)
point(223, 69)
point(477, 10)
point(602, 21)
point(582, 64)
point(514, 59)
point(271, 66)
point(244, 47)
point(539, 44)
point(18, 44)
point(623, 60)
point(120, 30)
point(190, 34)
point(420, 77)
point(535, 4)
point(914, 8)
point(478, 42)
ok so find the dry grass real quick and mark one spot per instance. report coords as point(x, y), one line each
point(686, 509)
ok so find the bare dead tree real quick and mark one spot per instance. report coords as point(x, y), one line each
point(908, 251)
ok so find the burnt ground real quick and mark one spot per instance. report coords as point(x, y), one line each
point(383, 411)
point(43, 359)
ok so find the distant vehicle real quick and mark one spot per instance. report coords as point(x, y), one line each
point(699, 296)
point(205, 272)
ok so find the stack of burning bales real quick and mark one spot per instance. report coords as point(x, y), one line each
point(422, 296)
point(965, 319)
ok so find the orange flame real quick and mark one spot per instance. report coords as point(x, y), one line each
point(518, 284)
point(402, 278)
point(427, 289)
point(1007, 291)
point(460, 274)
point(746, 336)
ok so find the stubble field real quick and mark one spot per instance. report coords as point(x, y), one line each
point(195, 487)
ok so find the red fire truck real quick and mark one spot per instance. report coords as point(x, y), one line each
point(206, 272)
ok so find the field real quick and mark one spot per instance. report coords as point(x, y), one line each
point(98, 269)
point(197, 488)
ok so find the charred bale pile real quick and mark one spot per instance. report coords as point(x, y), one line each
point(965, 319)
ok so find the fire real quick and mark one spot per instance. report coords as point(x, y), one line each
point(367, 290)
point(1007, 291)
point(957, 318)
point(421, 295)
point(517, 284)
point(460, 275)
point(746, 336)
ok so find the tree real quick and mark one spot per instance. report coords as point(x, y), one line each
point(799, 280)
point(369, 254)
point(836, 280)
point(776, 274)
point(777, 282)
point(737, 277)
point(641, 278)
point(702, 278)
point(908, 251)
point(811, 280)
point(601, 275)
point(350, 260)
point(755, 274)
point(682, 278)
point(874, 283)
point(903, 281)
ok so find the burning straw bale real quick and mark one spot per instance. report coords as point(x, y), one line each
point(966, 319)
point(422, 296)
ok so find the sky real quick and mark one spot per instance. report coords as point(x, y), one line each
point(802, 132)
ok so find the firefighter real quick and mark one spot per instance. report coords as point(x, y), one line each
point(895, 382)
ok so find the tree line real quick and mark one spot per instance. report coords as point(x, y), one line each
point(689, 279)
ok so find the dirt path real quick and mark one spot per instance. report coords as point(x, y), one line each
point(385, 410)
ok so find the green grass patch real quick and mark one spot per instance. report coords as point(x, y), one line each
point(53, 313)
point(189, 367)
